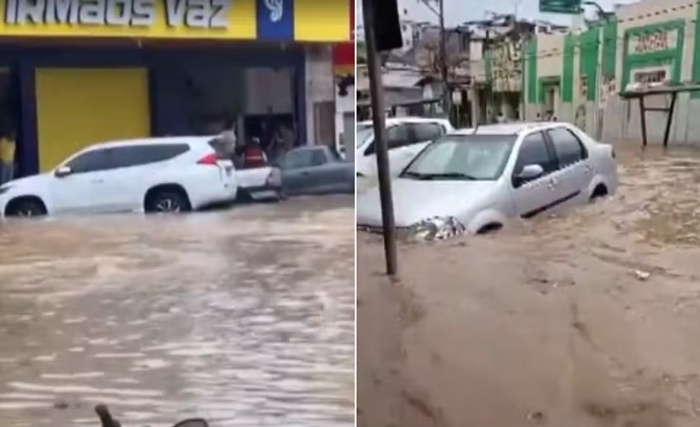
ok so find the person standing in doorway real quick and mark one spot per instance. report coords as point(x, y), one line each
point(7, 157)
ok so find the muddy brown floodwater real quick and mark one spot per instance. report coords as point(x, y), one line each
point(591, 318)
point(244, 317)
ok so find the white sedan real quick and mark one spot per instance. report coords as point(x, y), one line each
point(171, 174)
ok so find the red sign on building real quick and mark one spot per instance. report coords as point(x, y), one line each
point(344, 53)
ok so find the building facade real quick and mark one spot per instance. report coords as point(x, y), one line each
point(76, 72)
point(579, 73)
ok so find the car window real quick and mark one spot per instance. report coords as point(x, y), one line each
point(462, 157)
point(334, 155)
point(123, 157)
point(534, 151)
point(318, 157)
point(567, 146)
point(396, 136)
point(423, 132)
point(91, 161)
point(302, 159)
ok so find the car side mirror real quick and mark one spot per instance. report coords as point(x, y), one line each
point(62, 171)
point(530, 172)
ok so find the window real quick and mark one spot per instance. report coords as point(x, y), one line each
point(427, 131)
point(462, 157)
point(124, 157)
point(363, 134)
point(334, 154)
point(534, 151)
point(567, 147)
point(305, 158)
point(396, 136)
point(318, 157)
point(91, 161)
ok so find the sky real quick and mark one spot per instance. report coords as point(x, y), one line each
point(459, 11)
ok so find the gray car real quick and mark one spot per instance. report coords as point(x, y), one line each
point(475, 180)
point(316, 169)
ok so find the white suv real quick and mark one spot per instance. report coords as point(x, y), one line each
point(406, 137)
point(152, 175)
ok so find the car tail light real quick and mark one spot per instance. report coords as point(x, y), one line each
point(274, 178)
point(209, 160)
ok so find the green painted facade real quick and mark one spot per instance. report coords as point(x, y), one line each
point(588, 62)
point(696, 53)
point(609, 48)
point(567, 78)
point(672, 57)
point(531, 61)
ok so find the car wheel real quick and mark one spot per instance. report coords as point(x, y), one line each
point(167, 202)
point(25, 208)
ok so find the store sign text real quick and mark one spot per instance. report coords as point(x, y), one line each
point(129, 13)
point(653, 42)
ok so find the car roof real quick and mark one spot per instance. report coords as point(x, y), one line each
point(154, 141)
point(508, 128)
point(396, 120)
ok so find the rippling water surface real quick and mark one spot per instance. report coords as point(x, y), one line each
point(589, 318)
point(244, 317)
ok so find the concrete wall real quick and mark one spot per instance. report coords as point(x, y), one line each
point(320, 87)
point(622, 118)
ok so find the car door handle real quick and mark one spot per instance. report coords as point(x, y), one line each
point(552, 183)
point(97, 181)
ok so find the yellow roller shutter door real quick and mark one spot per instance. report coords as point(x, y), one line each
point(77, 107)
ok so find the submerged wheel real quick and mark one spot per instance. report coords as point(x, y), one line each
point(167, 201)
point(25, 208)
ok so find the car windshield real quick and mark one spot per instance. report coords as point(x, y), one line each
point(462, 157)
point(364, 132)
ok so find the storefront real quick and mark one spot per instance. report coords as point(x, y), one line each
point(75, 72)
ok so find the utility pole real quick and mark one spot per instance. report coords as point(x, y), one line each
point(376, 90)
point(446, 92)
point(442, 52)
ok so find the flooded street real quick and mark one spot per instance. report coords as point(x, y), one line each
point(244, 317)
point(591, 318)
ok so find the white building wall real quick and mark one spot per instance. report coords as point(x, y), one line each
point(550, 48)
point(320, 88)
point(344, 106)
point(622, 118)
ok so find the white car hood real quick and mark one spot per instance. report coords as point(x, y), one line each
point(416, 200)
point(28, 185)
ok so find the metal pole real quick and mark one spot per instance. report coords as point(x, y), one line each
point(447, 100)
point(376, 91)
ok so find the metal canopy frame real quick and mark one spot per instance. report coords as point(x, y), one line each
point(642, 94)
